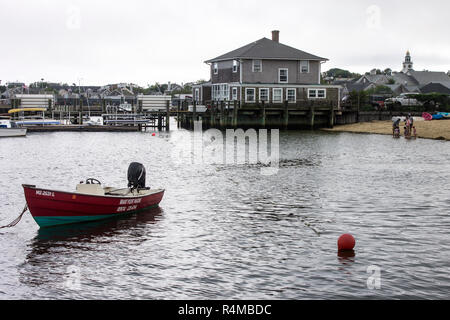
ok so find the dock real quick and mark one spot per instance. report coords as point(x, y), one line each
point(224, 115)
point(81, 128)
point(213, 114)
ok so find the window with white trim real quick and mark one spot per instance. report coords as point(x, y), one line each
point(197, 94)
point(277, 95)
point(304, 66)
point(234, 92)
point(291, 95)
point(250, 95)
point(235, 66)
point(220, 92)
point(264, 94)
point(257, 66)
point(283, 75)
point(317, 93)
point(216, 68)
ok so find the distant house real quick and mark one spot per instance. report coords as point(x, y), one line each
point(266, 71)
point(409, 80)
point(357, 86)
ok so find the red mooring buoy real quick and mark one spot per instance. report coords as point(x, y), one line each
point(153, 134)
point(346, 242)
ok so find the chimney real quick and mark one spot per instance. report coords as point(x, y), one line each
point(276, 35)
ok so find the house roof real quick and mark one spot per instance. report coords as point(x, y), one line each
point(436, 87)
point(267, 49)
point(375, 78)
point(404, 79)
point(394, 87)
point(358, 86)
point(412, 88)
point(425, 77)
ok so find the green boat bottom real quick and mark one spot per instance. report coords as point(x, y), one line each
point(45, 222)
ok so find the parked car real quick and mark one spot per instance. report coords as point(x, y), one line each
point(404, 99)
point(378, 101)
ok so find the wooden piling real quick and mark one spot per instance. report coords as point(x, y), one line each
point(167, 116)
point(263, 115)
point(221, 121)
point(235, 114)
point(159, 121)
point(194, 112)
point(286, 114)
point(312, 114)
point(178, 113)
point(331, 122)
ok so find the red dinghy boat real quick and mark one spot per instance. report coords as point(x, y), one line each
point(91, 201)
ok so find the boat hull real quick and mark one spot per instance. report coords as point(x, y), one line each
point(12, 132)
point(53, 208)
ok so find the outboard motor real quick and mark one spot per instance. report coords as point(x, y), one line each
point(136, 176)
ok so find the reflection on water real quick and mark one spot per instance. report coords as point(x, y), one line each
point(39, 267)
point(102, 228)
point(228, 232)
point(347, 256)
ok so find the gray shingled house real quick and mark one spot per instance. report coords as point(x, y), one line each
point(265, 70)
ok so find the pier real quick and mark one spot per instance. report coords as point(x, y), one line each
point(213, 114)
point(230, 114)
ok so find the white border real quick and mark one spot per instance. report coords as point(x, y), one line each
point(309, 66)
point(317, 93)
point(273, 95)
point(268, 95)
point(232, 97)
point(287, 75)
point(253, 65)
point(254, 95)
point(295, 95)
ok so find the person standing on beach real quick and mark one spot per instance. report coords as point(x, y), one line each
point(407, 127)
point(396, 126)
point(411, 122)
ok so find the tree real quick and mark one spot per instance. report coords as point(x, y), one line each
point(380, 89)
point(433, 98)
point(391, 81)
point(358, 98)
point(341, 73)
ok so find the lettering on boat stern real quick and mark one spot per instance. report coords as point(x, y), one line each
point(128, 205)
point(130, 201)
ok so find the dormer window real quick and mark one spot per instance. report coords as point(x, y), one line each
point(257, 65)
point(235, 66)
point(216, 68)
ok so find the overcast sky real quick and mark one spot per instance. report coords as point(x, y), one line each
point(102, 42)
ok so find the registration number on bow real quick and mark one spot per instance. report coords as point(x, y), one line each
point(45, 193)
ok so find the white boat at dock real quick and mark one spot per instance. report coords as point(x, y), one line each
point(13, 132)
point(7, 129)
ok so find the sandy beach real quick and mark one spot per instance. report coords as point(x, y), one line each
point(436, 129)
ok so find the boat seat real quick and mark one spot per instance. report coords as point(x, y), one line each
point(94, 189)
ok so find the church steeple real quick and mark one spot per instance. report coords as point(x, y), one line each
point(407, 64)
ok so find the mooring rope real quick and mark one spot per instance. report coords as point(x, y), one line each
point(17, 220)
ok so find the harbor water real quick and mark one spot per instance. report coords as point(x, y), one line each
point(226, 231)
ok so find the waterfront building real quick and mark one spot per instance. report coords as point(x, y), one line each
point(266, 71)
